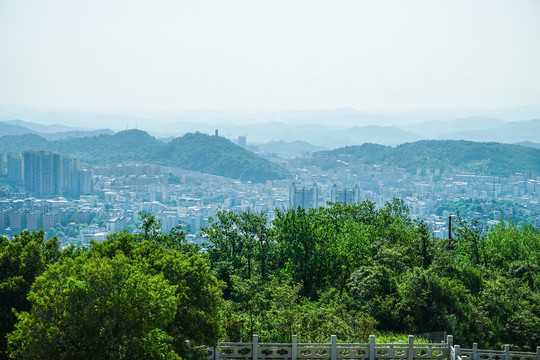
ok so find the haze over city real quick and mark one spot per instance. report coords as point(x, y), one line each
point(246, 56)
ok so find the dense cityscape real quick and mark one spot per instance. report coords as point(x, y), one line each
point(78, 202)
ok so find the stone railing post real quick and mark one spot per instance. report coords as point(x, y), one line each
point(255, 347)
point(450, 344)
point(294, 348)
point(538, 353)
point(410, 348)
point(371, 347)
point(506, 352)
point(456, 348)
point(333, 347)
point(216, 353)
point(474, 351)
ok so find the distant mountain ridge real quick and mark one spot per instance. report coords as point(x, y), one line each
point(453, 155)
point(529, 144)
point(329, 128)
point(509, 132)
point(482, 129)
point(195, 151)
point(49, 132)
point(13, 129)
point(320, 135)
point(289, 149)
point(40, 128)
point(439, 129)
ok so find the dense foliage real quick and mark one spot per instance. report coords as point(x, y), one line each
point(451, 155)
point(198, 152)
point(21, 261)
point(20, 143)
point(347, 268)
point(219, 156)
point(130, 297)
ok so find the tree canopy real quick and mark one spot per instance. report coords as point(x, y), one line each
point(378, 269)
point(125, 298)
point(348, 270)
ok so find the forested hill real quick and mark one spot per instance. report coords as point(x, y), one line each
point(218, 156)
point(453, 155)
point(198, 152)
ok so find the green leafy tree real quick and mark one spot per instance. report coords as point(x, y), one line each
point(123, 298)
point(356, 265)
point(97, 308)
point(509, 313)
point(275, 310)
point(150, 226)
point(21, 261)
point(241, 245)
point(298, 247)
point(472, 241)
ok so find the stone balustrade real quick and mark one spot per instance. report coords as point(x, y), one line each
point(371, 350)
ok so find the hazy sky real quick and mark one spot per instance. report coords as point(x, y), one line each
point(269, 55)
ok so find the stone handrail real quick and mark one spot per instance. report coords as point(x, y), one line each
point(328, 351)
point(481, 354)
point(362, 351)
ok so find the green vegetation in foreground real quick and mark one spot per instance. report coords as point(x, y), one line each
point(198, 152)
point(130, 297)
point(348, 270)
point(451, 155)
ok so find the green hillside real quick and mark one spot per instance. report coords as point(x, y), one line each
point(19, 143)
point(197, 152)
point(218, 156)
point(452, 155)
point(129, 145)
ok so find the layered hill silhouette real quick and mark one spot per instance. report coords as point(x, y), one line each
point(195, 151)
point(451, 155)
point(13, 129)
point(289, 149)
point(49, 132)
point(510, 132)
point(219, 156)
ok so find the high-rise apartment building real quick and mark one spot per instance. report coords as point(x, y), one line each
point(42, 173)
point(169, 220)
point(305, 198)
point(70, 176)
point(242, 141)
point(50, 174)
point(15, 169)
point(347, 196)
point(85, 185)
